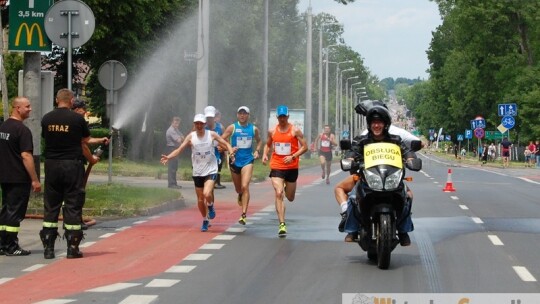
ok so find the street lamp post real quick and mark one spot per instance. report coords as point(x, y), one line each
point(352, 117)
point(347, 105)
point(307, 132)
point(326, 84)
point(320, 116)
point(337, 111)
point(341, 96)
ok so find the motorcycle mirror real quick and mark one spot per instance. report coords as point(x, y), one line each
point(345, 144)
point(346, 164)
point(414, 164)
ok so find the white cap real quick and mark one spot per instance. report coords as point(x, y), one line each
point(210, 111)
point(243, 108)
point(199, 118)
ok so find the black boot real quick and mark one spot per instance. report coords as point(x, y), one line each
point(73, 238)
point(218, 182)
point(341, 226)
point(11, 245)
point(48, 237)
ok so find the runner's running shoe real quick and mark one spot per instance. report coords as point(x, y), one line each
point(282, 232)
point(205, 224)
point(211, 212)
point(242, 219)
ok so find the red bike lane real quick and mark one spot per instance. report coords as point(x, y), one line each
point(143, 250)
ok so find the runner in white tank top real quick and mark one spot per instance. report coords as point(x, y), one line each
point(204, 165)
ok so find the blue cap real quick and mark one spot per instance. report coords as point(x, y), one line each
point(282, 110)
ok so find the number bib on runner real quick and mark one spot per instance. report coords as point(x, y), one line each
point(243, 142)
point(325, 143)
point(282, 148)
point(382, 154)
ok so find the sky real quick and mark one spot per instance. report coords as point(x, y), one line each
point(392, 36)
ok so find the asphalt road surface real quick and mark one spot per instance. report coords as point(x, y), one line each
point(482, 238)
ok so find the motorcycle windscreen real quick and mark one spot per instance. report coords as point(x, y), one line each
point(382, 154)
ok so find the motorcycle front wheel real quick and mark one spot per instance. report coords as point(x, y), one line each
point(384, 241)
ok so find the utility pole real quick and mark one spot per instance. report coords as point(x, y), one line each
point(307, 132)
point(201, 97)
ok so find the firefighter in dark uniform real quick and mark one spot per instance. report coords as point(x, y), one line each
point(17, 175)
point(65, 133)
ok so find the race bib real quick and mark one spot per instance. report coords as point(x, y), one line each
point(325, 143)
point(244, 142)
point(382, 154)
point(282, 148)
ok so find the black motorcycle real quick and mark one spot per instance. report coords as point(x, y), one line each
point(381, 174)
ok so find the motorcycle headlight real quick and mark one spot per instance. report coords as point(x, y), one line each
point(373, 180)
point(392, 181)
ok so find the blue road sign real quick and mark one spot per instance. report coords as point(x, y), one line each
point(478, 123)
point(508, 122)
point(460, 137)
point(468, 134)
point(507, 109)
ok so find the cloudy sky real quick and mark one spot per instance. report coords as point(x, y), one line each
point(392, 36)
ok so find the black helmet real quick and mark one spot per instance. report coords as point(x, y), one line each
point(381, 113)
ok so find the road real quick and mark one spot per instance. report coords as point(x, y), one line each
point(482, 238)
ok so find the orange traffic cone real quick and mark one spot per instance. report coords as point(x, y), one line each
point(449, 187)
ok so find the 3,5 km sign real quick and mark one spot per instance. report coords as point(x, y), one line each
point(26, 24)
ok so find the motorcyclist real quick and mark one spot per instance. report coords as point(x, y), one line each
point(379, 122)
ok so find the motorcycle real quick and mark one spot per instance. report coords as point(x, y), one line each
point(380, 175)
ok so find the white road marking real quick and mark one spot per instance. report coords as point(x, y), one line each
point(114, 287)
point(197, 257)
point(454, 197)
point(495, 240)
point(269, 208)
point(34, 267)
point(524, 274)
point(3, 280)
point(87, 244)
point(106, 235)
point(122, 228)
point(261, 214)
point(180, 269)
point(235, 229)
point(224, 237)
point(463, 207)
point(212, 246)
point(162, 283)
point(139, 299)
point(528, 180)
point(139, 222)
point(56, 301)
point(477, 220)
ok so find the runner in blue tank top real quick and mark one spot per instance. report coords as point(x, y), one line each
point(242, 135)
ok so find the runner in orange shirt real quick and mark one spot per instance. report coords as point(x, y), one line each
point(287, 144)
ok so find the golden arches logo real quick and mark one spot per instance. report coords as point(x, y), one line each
point(29, 33)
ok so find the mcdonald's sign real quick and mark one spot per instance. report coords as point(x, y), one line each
point(26, 23)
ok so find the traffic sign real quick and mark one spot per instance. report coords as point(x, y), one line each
point(468, 134)
point(460, 137)
point(479, 133)
point(26, 26)
point(494, 135)
point(508, 122)
point(478, 122)
point(507, 109)
point(70, 14)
